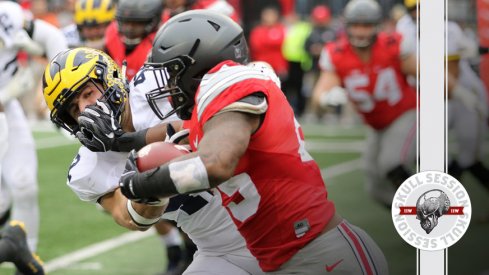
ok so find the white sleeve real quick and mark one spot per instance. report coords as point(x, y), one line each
point(94, 174)
point(407, 47)
point(72, 36)
point(143, 116)
point(51, 38)
point(325, 61)
point(407, 28)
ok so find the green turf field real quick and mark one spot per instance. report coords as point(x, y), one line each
point(76, 238)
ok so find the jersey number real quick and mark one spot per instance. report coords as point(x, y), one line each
point(243, 195)
point(305, 156)
point(75, 162)
point(386, 88)
point(5, 23)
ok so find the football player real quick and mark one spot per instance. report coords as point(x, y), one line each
point(14, 249)
point(91, 21)
point(19, 166)
point(131, 36)
point(467, 108)
point(246, 142)
point(87, 81)
point(372, 67)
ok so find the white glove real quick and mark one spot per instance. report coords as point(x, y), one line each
point(470, 99)
point(23, 81)
point(21, 40)
point(334, 97)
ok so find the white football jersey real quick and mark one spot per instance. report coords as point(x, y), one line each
point(72, 36)
point(11, 22)
point(200, 215)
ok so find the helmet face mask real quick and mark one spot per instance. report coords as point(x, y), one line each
point(67, 75)
point(137, 18)
point(361, 35)
point(171, 71)
point(196, 41)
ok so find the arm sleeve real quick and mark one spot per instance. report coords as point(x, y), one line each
point(51, 38)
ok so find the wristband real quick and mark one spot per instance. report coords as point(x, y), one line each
point(189, 175)
point(180, 177)
point(129, 141)
point(138, 219)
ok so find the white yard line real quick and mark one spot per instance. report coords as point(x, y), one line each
point(341, 168)
point(94, 250)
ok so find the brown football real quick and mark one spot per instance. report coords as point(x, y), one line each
point(158, 153)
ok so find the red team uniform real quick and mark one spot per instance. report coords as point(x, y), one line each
point(117, 50)
point(275, 170)
point(377, 87)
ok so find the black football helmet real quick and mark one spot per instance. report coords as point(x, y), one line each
point(187, 46)
point(142, 11)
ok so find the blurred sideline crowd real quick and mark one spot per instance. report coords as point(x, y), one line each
point(287, 34)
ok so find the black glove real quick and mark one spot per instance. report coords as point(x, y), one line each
point(99, 129)
point(129, 181)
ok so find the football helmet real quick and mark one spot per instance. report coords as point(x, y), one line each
point(93, 12)
point(188, 46)
point(362, 12)
point(140, 11)
point(410, 4)
point(68, 72)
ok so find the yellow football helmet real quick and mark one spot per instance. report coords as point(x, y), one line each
point(68, 72)
point(410, 4)
point(94, 12)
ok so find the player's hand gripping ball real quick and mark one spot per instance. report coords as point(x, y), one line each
point(149, 157)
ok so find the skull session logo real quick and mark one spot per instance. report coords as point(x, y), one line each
point(431, 210)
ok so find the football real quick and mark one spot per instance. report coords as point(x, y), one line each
point(158, 153)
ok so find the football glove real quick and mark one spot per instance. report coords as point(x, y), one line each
point(22, 81)
point(99, 129)
point(22, 40)
point(127, 179)
point(334, 97)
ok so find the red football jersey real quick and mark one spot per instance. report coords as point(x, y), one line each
point(377, 87)
point(117, 50)
point(277, 197)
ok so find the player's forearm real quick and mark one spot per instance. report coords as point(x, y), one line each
point(326, 82)
point(139, 139)
point(116, 204)
point(158, 132)
point(225, 140)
